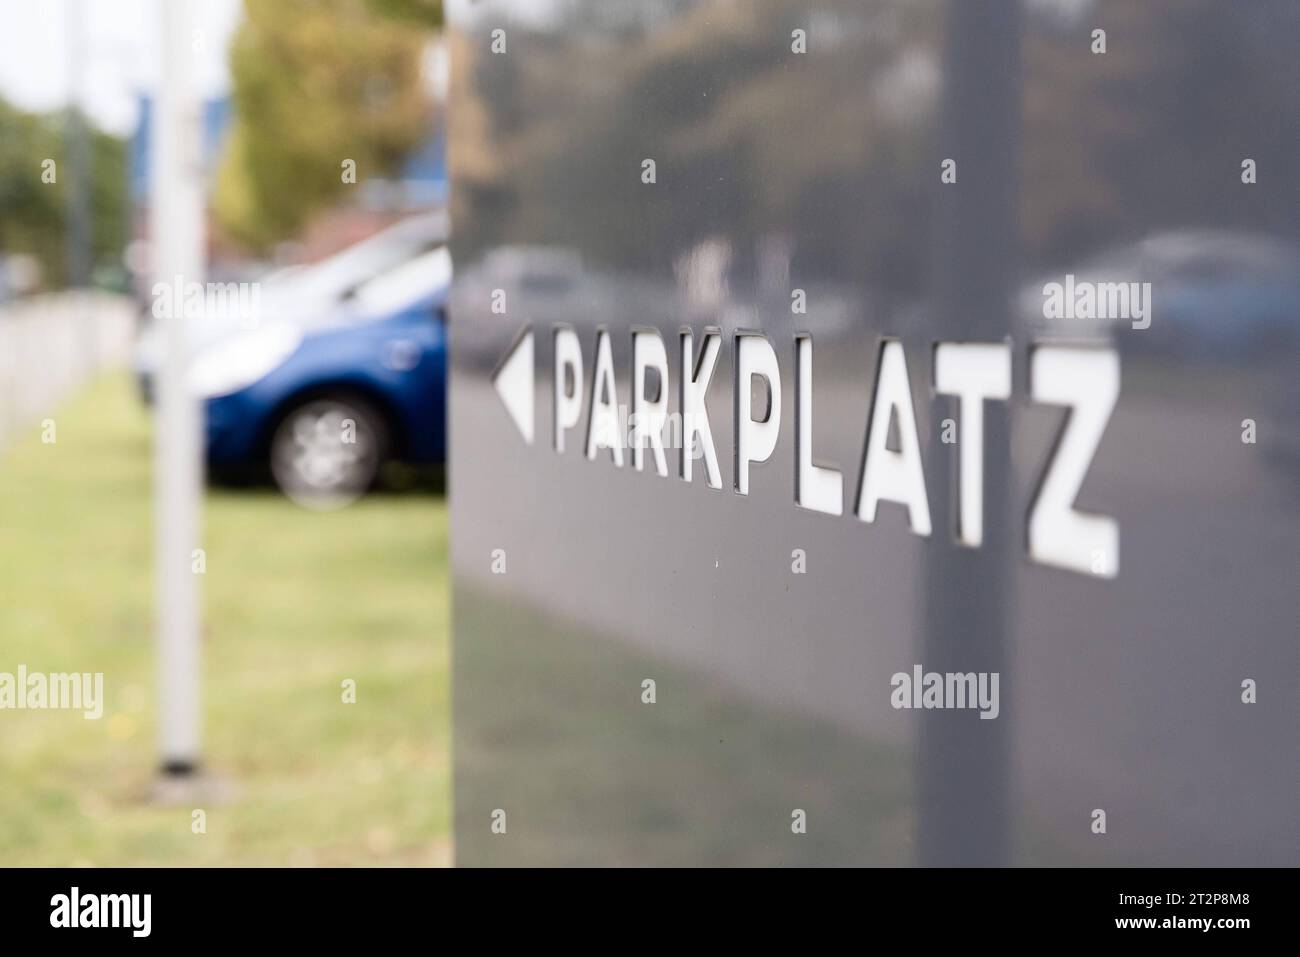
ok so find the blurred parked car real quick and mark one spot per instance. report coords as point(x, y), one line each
point(1216, 295)
point(342, 367)
point(325, 403)
point(302, 294)
point(1218, 298)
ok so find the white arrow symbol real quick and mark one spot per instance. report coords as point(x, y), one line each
point(514, 383)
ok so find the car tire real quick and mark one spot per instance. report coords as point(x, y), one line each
point(326, 452)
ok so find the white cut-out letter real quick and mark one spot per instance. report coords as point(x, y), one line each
point(695, 415)
point(974, 372)
point(602, 427)
point(815, 486)
point(649, 416)
point(1086, 379)
point(888, 475)
point(755, 441)
point(568, 364)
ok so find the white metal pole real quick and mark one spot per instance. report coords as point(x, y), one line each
point(177, 250)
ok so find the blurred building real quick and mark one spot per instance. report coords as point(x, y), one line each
point(420, 185)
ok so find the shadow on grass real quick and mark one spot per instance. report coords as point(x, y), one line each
point(396, 479)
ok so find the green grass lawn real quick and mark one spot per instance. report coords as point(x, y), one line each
point(295, 602)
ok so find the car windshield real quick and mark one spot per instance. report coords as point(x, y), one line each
point(342, 273)
point(405, 285)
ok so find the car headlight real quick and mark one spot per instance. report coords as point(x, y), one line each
point(238, 362)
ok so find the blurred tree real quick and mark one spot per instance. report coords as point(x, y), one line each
point(1113, 146)
point(427, 13)
point(531, 124)
point(33, 196)
point(1086, 115)
point(318, 83)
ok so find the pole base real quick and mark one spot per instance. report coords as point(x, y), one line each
point(186, 783)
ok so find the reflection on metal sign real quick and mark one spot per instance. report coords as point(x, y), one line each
point(891, 261)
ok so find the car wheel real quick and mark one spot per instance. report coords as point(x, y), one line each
point(326, 452)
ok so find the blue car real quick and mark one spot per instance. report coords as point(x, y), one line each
point(325, 401)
